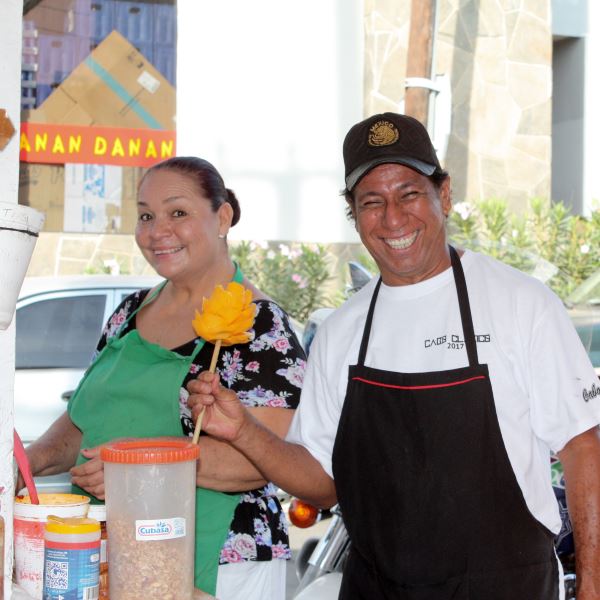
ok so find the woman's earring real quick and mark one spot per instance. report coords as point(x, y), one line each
point(221, 236)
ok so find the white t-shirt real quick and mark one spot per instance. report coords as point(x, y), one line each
point(539, 370)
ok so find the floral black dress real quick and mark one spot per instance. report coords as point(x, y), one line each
point(266, 372)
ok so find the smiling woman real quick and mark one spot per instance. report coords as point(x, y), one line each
point(183, 222)
point(149, 353)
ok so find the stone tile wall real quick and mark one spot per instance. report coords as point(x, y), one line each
point(498, 54)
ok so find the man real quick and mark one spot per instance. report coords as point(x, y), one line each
point(431, 403)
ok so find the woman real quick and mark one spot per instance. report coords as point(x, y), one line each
point(148, 352)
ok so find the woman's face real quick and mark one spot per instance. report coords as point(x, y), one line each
point(177, 230)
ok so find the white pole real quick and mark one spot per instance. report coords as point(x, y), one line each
point(11, 15)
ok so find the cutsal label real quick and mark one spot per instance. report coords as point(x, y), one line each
point(71, 574)
point(159, 529)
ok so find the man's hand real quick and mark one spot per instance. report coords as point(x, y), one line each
point(89, 476)
point(224, 415)
point(289, 466)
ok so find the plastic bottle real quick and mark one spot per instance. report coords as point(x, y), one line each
point(150, 502)
point(71, 558)
point(98, 512)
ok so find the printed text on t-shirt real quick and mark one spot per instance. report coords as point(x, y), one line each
point(591, 393)
point(454, 341)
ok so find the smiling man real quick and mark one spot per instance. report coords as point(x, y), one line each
point(431, 403)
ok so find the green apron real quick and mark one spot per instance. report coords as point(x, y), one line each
point(132, 390)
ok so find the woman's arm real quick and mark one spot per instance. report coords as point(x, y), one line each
point(56, 450)
point(221, 467)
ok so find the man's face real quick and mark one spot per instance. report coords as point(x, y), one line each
point(400, 216)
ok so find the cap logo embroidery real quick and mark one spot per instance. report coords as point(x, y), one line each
point(383, 133)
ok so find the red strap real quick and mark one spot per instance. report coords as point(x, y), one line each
point(418, 387)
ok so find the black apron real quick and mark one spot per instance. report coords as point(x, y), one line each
point(427, 492)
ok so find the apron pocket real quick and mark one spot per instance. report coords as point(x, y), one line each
point(361, 581)
point(534, 582)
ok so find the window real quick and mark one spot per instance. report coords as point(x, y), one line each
point(59, 332)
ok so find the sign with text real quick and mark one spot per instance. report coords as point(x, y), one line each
point(61, 144)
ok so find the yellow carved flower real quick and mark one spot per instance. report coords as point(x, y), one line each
point(226, 315)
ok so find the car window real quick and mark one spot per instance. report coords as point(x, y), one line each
point(59, 332)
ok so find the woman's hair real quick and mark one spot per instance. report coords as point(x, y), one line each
point(205, 176)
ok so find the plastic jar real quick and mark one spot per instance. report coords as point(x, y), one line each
point(29, 522)
point(150, 487)
point(98, 512)
point(71, 558)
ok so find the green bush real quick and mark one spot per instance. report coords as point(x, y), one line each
point(548, 242)
point(294, 275)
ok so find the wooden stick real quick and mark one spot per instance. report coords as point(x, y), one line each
point(198, 426)
point(213, 366)
point(215, 356)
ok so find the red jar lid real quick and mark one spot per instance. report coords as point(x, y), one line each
point(150, 451)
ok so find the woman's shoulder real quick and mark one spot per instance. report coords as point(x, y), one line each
point(273, 328)
point(127, 306)
point(270, 315)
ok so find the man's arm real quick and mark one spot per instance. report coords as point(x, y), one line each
point(581, 463)
point(223, 468)
point(289, 466)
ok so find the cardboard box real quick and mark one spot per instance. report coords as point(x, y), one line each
point(43, 187)
point(114, 86)
point(93, 198)
point(129, 213)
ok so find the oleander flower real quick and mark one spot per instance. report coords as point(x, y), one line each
point(464, 209)
point(227, 315)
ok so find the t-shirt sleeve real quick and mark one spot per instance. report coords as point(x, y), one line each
point(269, 370)
point(315, 423)
point(562, 380)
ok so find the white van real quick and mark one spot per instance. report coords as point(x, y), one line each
point(58, 325)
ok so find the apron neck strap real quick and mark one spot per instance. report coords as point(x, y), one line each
point(465, 308)
point(149, 297)
point(367, 330)
point(463, 304)
point(238, 277)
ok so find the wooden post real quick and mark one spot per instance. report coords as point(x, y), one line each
point(420, 57)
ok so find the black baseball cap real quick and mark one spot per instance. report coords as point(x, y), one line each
point(388, 138)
